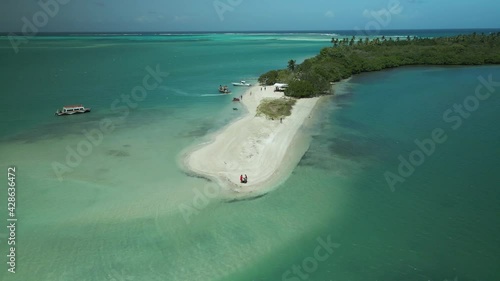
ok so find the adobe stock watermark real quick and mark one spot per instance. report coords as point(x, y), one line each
point(201, 200)
point(75, 154)
point(455, 116)
point(310, 264)
point(223, 6)
point(380, 19)
point(48, 10)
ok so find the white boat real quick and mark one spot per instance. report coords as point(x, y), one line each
point(242, 83)
point(72, 109)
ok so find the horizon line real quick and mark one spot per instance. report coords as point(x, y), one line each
point(253, 31)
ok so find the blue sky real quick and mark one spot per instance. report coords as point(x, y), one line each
point(246, 15)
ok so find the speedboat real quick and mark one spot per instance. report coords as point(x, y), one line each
point(72, 109)
point(242, 83)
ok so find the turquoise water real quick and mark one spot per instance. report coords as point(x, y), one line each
point(120, 213)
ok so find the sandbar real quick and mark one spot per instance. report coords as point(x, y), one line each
point(265, 150)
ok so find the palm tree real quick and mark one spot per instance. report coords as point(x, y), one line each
point(291, 65)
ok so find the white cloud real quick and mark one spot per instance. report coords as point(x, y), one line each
point(330, 14)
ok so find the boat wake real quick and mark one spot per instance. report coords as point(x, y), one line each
point(175, 91)
point(213, 95)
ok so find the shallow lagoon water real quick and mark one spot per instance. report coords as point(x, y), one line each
point(118, 215)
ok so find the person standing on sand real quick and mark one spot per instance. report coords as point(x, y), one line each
point(245, 179)
point(241, 178)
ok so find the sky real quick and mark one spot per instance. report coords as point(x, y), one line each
point(24, 16)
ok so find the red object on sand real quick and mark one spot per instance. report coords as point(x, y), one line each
point(241, 178)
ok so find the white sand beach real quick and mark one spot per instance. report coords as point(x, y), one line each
point(263, 149)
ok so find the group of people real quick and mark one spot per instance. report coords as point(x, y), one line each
point(243, 179)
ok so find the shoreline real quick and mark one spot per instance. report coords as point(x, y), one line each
point(265, 150)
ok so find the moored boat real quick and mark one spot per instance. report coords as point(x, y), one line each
point(224, 90)
point(72, 109)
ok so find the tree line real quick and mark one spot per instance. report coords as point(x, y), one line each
point(352, 56)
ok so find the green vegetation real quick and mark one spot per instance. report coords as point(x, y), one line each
point(275, 76)
point(291, 65)
point(300, 89)
point(276, 108)
point(347, 57)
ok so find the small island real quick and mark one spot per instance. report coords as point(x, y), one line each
point(265, 144)
point(348, 57)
